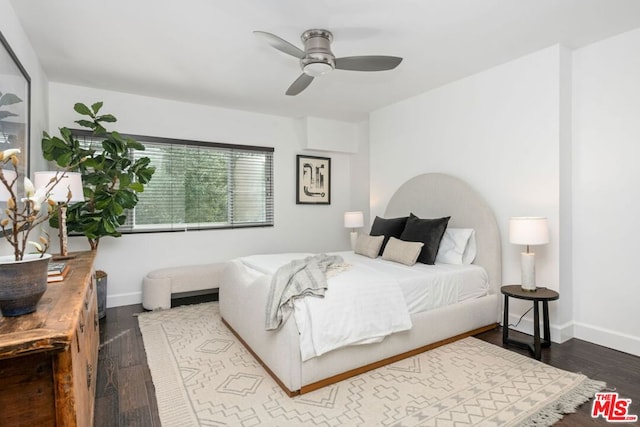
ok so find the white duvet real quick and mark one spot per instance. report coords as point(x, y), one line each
point(426, 287)
point(361, 305)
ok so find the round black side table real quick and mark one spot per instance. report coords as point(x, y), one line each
point(543, 295)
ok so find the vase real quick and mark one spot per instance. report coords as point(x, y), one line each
point(22, 283)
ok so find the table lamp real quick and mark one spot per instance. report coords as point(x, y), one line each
point(353, 220)
point(528, 231)
point(68, 190)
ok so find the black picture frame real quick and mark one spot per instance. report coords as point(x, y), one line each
point(15, 105)
point(313, 180)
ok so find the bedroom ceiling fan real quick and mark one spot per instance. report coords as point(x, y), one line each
point(317, 59)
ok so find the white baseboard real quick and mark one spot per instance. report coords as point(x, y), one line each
point(564, 332)
point(124, 299)
point(593, 334)
point(608, 338)
point(559, 333)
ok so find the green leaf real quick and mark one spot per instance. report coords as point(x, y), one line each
point(136, 186)
point(64, 160)
point(110, 146)
point(107, 118)
point(134, 145)
point(87, 124)
point(96, 107)
point(99, 130)
point(144, 175)
point(124, 179)
point(80, 108)
point(66, 133)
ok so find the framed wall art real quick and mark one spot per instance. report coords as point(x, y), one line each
point(313, 180)
point(15, 100)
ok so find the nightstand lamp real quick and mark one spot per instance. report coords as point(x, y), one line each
point(353, 220)
point(68, 190)
point(528, 231)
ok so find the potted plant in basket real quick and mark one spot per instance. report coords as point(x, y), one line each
point(110, 178)
point(23, 275)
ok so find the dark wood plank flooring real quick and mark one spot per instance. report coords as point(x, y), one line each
point(125, 394)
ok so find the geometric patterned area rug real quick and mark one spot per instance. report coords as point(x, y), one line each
point(203, 376)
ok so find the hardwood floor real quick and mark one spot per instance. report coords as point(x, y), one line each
point(125, 394)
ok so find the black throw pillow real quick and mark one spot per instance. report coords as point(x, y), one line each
point(387, 227)
point(427, 231)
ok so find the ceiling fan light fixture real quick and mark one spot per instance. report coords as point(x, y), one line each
point(315, 69)
point(317, 58)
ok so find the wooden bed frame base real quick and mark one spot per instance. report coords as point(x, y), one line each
point(357, 371)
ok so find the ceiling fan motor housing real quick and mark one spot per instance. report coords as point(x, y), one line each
point(318, 57)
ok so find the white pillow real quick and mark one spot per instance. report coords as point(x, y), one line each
point(458, 246)
point(402, 251)
point(368, 246)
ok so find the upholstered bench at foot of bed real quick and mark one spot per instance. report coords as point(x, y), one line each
point(158, 285)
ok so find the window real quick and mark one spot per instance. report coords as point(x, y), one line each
point(200, 185)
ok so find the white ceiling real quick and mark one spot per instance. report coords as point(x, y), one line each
point(204, 51)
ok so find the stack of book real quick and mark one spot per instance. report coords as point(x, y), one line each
point(57, 271)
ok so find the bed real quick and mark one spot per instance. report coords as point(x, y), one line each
point(243, 297)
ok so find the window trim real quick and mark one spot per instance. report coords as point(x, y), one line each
point(165, 140)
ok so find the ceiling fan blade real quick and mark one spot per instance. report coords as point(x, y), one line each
point(368, 63)
point(300, 84)
point(280, 44)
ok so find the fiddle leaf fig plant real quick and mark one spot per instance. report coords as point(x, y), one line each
point(111, 178)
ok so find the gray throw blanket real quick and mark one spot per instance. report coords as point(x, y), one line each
point(299, 278)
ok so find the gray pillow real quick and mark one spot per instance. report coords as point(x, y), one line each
point(403, 252)
point(368, 246)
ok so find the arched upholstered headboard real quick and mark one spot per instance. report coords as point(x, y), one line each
point(435, 195)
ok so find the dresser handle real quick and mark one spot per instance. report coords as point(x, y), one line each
point(89, 375)
point(81, 326)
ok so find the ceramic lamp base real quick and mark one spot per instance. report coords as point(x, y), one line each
point(528, 271)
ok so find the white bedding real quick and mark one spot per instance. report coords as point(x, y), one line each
point(360, 306)
point(426, 287)
point(375, 298)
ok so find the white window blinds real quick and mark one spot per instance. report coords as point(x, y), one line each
point(200, 185)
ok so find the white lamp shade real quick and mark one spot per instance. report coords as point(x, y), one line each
point(70, 182)
point(9, 176)
point(528, 231)
point(353, 219)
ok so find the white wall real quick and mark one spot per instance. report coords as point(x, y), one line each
point(311, 228)
point(499, 131)
point(555, 133)
point(360, 175)
point(606, 177)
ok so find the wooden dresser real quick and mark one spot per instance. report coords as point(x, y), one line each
point(48, 359)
